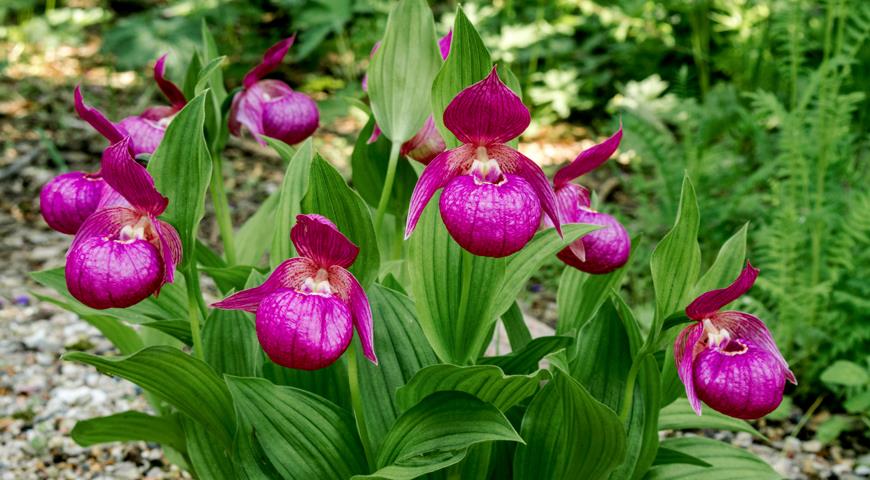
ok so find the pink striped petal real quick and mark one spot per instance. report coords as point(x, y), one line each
point(588, 160)
point(289, 274)
point(145, 134)
point(346, 286)
point(487, 113)
point(744, 325)
point(271, 60)
point(96, 119)
point(172, 92)
point(436, 175)
point(131, 180)
point(686, 348)
point(170, 248)
point(710, 302)
point(317, 238)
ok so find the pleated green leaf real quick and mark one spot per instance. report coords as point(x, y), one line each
point(727, 462)
point(329, 383)
point(515, 325)
point(526, 359)
point(402, 351)
point(228, 278)
point(468, 63)
point(303, 435)
point(329, 195)
point(128, 427)
point(293, 189)
point(181, 167)
point(437, 433)
point(564, 414)
point(667, 456)
point(369, 166)
point(180, 380)
point(580, 295)
point(727, 266)
point(124, 338)
point(680, 416)
point(229, 343)
point(676, 260)
point(208, 458)
point(255, 236)
point(401, 72)
point(179, 329)
point(486, 382)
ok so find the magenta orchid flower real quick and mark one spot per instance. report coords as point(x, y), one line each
point(426, 144)
point(146, 130)
point(607, 248)
point(68, 199)
point(271, 107)
point(308, 307)
point(493, 195)
point(728, 359)
point(122, 253)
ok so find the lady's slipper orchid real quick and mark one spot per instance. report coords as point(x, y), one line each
point(271, 107)
point(728, 359)
point(308, 307)
point(70, 198)
point(426, 144)
point(122, 253)
point(146, 130)
point(493, 194)
point(605, 249)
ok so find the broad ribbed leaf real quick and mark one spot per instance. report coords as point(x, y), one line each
point(228, 278)
point(229, 343)
point(729, 261)
point(181, 167)
point(526, 359)
point(666, 456)
point(179, 329)
point(293, 189)
point(180, 380)
point(128, 427)
point(523, 264)
point(515, 325)
point(468, 63)
point(329, 383)
point(329, 195)
point(486, 382)
point(369, 166)
point(676, 260)
point(453, 290)
point(124, 338)
point(172, 302)
point(208, 458)
point(303, 435)
point(680, 416)
point(437, 433)
point(727, 462)
point(402, 351)
point(401, 72)
point(580, 296)
point(564, 415)
point(255, 236)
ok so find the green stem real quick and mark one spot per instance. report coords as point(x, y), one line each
point(222, 209)
point(356, 402)
point(388, 186)
point(195, 307)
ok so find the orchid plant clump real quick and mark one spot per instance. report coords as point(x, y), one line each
point(257, 374)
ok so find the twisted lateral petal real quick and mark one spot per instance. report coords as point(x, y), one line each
point(739, 379)
point(746, 326)
point(317, 238)
point(436, 175)
point(170, 248)
point(69, 199)
point(96, 119)
point(686, 347)
point(173, 94)
point(603, 250)
point(487, 113)
point(145, 135)
point(588, 160)
point(289, 274)
point(347, 287)
point(512, 161)
point(271, 59)
point(490, 219)
point(303, 330)
point(710, 302)
point(130, 179)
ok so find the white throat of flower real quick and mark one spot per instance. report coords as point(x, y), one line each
point(131, 233)
point(716, 336)
point(318, 284)
point(485, 169)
